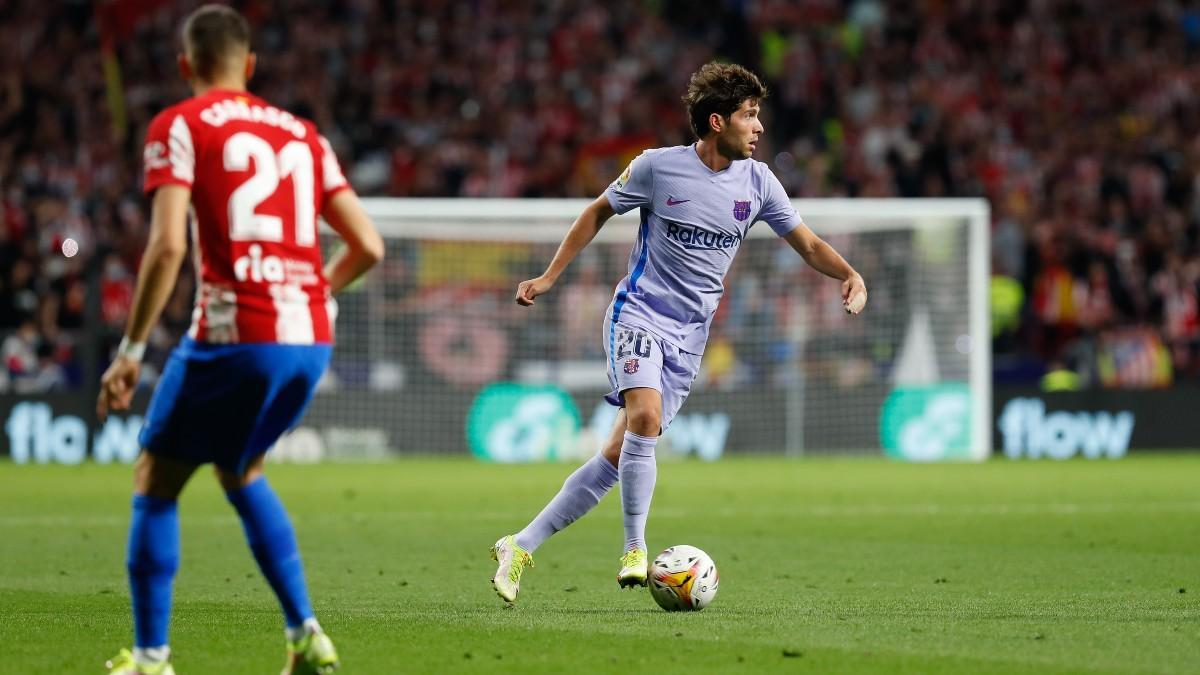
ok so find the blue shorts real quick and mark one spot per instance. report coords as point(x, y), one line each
point(639, 358)
point(228, 404)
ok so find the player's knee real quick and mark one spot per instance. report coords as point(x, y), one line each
point(231, 480)
point(645, 421)
point(158, 477)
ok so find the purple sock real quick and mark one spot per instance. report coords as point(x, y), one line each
point(582, 490)
point(638, 474)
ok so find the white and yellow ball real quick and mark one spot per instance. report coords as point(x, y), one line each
point(683, 578)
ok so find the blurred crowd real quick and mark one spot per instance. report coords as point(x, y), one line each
point(1076, 119)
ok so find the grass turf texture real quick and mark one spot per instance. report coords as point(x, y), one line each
point(826, 566)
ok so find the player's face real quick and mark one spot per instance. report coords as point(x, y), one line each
point(741, 135)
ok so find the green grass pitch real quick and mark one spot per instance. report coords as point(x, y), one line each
point(826, 566)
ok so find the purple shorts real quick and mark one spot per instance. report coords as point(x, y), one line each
point(639, 358)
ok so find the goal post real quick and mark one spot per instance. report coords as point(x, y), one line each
point(434, 356)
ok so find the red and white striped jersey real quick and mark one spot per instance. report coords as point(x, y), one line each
point(259, 177)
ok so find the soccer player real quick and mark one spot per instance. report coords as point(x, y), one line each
point(256, 178)
point(697, 203)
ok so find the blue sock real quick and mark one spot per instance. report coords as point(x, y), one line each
point(271, 538)
point(152, 560)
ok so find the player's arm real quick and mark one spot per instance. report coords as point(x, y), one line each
point(585, 228)
point(156, 280)
point(821, 257)
point(364, 246)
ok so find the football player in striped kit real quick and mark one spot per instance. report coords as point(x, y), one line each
point(256, 178)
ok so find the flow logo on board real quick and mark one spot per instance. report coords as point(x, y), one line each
point(37, 435)
point(1029, 431)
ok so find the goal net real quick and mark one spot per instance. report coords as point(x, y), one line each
point(434, 356)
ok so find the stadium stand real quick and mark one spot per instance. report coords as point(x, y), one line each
point(1079, 126)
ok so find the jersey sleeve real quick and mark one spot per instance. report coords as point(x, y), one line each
point(169, 157)
point(777, 210)
point(332, 180)
point(634, 188)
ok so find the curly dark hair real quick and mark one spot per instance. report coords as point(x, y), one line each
point(211, 35)
point(719, 88)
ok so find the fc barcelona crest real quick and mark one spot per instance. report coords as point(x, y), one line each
point(631, 366)
point(741, 210)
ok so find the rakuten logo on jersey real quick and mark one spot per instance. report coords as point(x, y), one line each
point(697, 238)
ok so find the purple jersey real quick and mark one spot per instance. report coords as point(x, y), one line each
point(693, 222)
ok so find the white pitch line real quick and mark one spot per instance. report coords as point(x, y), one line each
point(799, 511)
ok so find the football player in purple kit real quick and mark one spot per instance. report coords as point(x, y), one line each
point(697, 203)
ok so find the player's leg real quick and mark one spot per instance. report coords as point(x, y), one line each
point(285, 377)
point(638, 473)
point(272, 540)
point(168, 459)
point(611, 450)
point(584, 488)
point(580, 492)
point(152, 561)
point(650, 414)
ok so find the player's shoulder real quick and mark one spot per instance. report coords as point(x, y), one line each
point(191, 107)
point(756, 167)
point(657, 152)
point(278, 116)
point(178, 118)
point(760, 173)
point(667, 158)
point(170, 113)
point(298, 126)
point(668, 153)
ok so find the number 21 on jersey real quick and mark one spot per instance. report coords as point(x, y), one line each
point(295, 160)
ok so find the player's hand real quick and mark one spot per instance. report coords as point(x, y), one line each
point(117, 385)
point(528, 290)
point(854, 294)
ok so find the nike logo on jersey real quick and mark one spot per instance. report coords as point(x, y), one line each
point(675, 202)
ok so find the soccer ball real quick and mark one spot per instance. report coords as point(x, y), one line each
point(683, 578)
